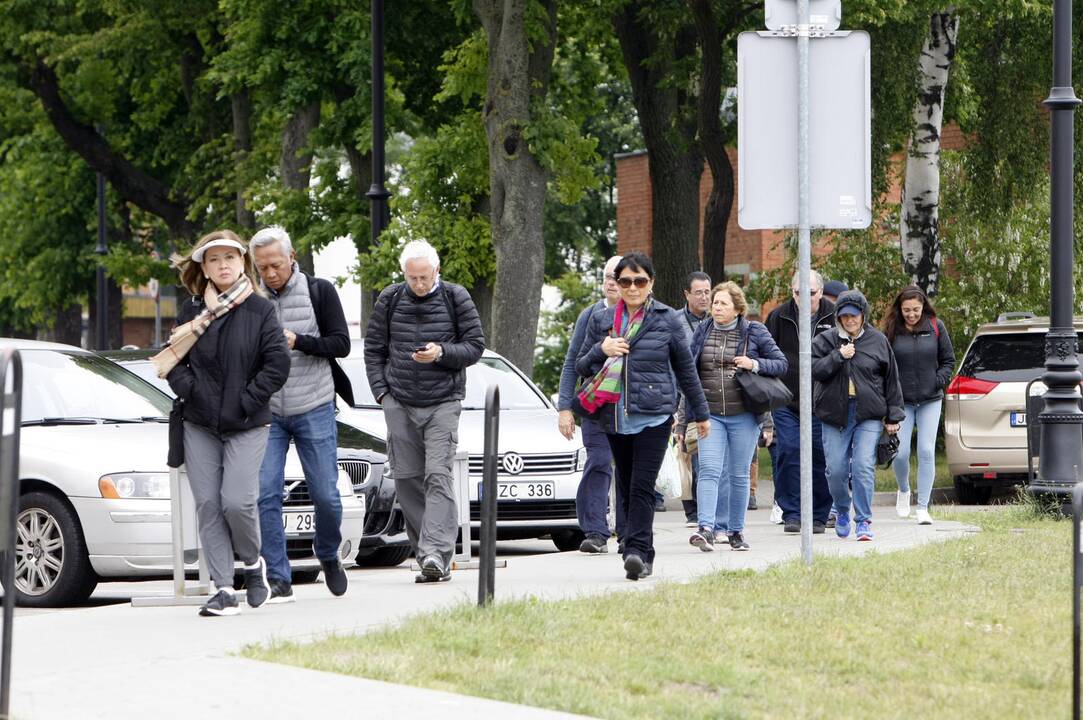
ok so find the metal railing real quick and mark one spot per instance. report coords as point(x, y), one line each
point(487, 534)
point(11, 391)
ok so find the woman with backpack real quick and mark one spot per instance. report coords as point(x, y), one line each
point(926, 359)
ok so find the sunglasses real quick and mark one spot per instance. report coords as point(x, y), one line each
point(639, 280)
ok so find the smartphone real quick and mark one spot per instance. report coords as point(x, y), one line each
point(421, 348)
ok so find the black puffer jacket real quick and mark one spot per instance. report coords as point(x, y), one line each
point(657, 362)
point(782, 324)
point(872, 369)
point(230, 374)
point(925, 359)
point(415, 321)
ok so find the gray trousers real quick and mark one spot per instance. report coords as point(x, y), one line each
point(223, 472)
point(421, 444)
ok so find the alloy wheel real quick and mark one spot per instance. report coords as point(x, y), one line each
point(39, 553)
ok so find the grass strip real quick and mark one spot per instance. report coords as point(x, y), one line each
point(977, 627)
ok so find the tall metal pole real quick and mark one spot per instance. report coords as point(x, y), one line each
point(1062, 434)
point(804, 266)
point(377, 193)
point(101, 251)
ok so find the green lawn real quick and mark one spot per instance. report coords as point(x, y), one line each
point(978, 627)
point(885, 479)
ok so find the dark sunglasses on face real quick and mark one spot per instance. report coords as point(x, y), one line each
point(639, 280)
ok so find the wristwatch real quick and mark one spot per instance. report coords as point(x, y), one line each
point(439, 352)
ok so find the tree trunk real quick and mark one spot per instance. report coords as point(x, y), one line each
point(518, 77)
point(68, 326)
point(242, 143)
point(668, 118)
point(919, 232)
point(297, 159)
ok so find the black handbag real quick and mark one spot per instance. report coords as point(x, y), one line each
point(887, 447)
point(175, 457)
point(762, 393)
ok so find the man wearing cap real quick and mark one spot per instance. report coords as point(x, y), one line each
point(303, 411)
point(783, 326)
point(834, 288)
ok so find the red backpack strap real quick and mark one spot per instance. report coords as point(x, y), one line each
point(936, 328)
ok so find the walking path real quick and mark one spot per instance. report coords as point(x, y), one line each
point(116, 661)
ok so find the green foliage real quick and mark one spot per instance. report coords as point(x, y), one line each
point(555, 329)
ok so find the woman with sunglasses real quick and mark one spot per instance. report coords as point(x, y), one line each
point(636, 355)
point(721, 347)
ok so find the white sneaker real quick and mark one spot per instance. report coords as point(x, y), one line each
point(902, 504)
point(923, 517)
point(776, 514)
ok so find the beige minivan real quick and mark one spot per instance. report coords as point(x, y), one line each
point(985, 419)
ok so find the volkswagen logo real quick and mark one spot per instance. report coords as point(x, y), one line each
point(513, 463)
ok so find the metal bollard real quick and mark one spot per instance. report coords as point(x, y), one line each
point(1077, 578)
point(487, 535)
point(10, 419)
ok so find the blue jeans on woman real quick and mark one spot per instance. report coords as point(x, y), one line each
point(927, 417)
point(851, 452)
point(724, 459)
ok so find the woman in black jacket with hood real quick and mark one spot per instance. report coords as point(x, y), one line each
point(856, 395)
point(225, 358)
point(926, 359)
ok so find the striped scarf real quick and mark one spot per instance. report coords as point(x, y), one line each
point(605, 387)
point(184, 337)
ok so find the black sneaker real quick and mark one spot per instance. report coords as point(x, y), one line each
point(648, 569)
point(737, 541)
point(703, 539)
point(832, 516)
point(659, 505)
point(818, 528)
point(432, 570)
point(634, 566)
point(594, 544)
point(793, 525)
point(255, 585)
point(335, 577)
point(752, 505)
point(221, 603)
point(281, 592)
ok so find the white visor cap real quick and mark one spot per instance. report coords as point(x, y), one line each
point(219, 242)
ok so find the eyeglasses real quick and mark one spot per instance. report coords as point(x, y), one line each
point(699, 293)
point(639, 280)
point(811, 292)
point(610, 276)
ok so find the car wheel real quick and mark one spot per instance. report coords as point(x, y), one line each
point(52, 568)
point(384, 556)
point(304, 577)
point(967, 493)
point(568, 540)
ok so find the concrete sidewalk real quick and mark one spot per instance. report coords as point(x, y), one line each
point(119, 662)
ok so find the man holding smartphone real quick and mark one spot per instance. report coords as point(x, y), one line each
point(422, 336)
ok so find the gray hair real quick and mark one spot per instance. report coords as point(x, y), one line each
point(270, 235)
point(419, 250)
point(815, 280)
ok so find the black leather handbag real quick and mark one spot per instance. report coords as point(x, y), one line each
point(762, 393)
point(176, 434)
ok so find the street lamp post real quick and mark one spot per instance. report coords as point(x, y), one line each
point(1062, 419)
point(101, 251)
point(377, 193)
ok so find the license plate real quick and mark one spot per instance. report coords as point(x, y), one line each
point(1018, 419)
point(539, 490)
point(298, 523)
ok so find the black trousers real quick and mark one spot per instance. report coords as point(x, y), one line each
point(638, 458)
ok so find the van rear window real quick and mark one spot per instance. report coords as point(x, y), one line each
point(1019, 357)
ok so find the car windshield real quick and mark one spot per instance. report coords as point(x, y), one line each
point(145, 369)
point(60, 385)
point(515, 392)
point(1015, 357)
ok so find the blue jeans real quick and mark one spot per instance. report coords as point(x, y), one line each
point(927, 417)
point(724, 459)
point(787, 467)
point(592, 497)
point(851, 452)
point(315, 435)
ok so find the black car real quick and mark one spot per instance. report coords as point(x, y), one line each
point(364, 458)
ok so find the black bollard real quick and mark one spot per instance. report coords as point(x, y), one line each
point(487, 537)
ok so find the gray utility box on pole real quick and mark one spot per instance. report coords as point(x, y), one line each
point(840, 119)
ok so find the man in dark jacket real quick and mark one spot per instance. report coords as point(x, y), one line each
point(783, 325)
point(422, 336)
point(303, 410)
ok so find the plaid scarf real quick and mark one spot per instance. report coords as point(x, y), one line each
point(184, 337)
point(605, 387)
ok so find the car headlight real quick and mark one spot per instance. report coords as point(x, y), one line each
point(123, 486)
point(580, 458)
point(344, 484)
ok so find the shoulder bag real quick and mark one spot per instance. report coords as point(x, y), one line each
point(762, 394)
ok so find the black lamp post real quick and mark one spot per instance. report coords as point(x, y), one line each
point(377, 193)
point(101, 251)
point(1062, 419)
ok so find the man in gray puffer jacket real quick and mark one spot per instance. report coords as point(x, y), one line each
point(422, 336)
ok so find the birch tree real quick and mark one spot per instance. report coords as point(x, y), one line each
point(919, 232)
